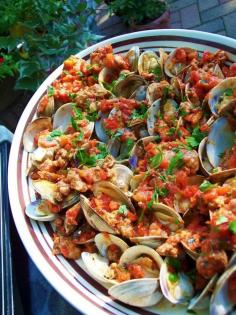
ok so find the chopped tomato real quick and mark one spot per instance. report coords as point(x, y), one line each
point(232, 70)
point(164, 164)
point(111, 123)
point(136, 271)
point(207, 56)
point(180, 55)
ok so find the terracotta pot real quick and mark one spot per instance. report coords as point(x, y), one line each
point(162, 22)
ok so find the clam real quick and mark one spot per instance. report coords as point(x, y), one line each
point(48, 190)
point(62, 119)
point(221, 98)
point(106, 77)
point(137, 292)
point(33, 129)
point(221, 303)
point(122, 176)
point(93, 219)
point(201, 300)
point(46, 104)
point(173, 68)
point(140, 93)
point(169, 109)
point(205, 165)
point(127, 86)
point(177, 291)
point(133, 55)
point(98, 264)
point(39, 210)
point(148, 62)
point(99, 129)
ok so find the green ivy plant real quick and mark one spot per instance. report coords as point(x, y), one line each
point(137, 11)
point(37, 35)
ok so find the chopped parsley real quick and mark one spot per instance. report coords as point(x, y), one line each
point(78, 138)
point(174, 263)
point(123, 210)
point(206, 185)
point(166, 90)
point(93, 116)
point(80, 74)
point(228, 92)
point(175, 163)
point(157, 159)
point(78, 113)
point(53, 134)
point(163, 178)
point(171, 131)
point(84, 158)
point(232, 226)
point(72, 95)
point(157, 71)
point(162, 192)
point(196, 137)
point(182, 112)
point(140, 113)
point(126, 149)
point(74, 124)
point(50, 91)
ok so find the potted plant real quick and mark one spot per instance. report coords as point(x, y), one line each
point(141, 15)
point(36, 36)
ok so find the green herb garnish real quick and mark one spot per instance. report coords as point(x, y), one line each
point(103, 151)
point(53, 134)
point(93, 116)
point(157, 71)
point(171, 131)
point(175, 163)
point(78, 138)
point(229, 92)
point(173, 277)
point(153, 199)
point(157, 159)
point(140, 113)
point(123, 210)
point(126, 149)
point(50, 91)
point(206, 185)
point(232, 226)
point(196, 137)
point(174, 263)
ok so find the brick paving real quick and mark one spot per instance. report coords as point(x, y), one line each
point(216, 16)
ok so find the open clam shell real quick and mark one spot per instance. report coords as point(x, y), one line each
point(38, 210)
point(221, 99)
point(132, 56)
point(220, 301)
point(62, 119)
point(148, 61)
point(152, 116)
point(135, 252)
point(99, 129)
point(205, 165)
point(140, 93)
point(47, 190)
point(98, 267)
point(104, 240)
point(122, 176)
point(93, 219)
point(106, 76)
point(179, 291)
point(127, 86)
point(114, 192)
point(137, 292)
point(46, 104)
point(222, 128)
point(201, 301)
point(34, 128)
point(173, 68)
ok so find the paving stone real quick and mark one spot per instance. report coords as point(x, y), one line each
point(190, 16)
point(180, 4)
point(176, 25)
point(175, 17)
point(218, 11)
point(230, 24)
point(212, 26)
point(207, 4)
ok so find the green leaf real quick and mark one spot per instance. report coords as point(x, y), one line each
point(206, 185)
point(123, 210)
point(157, 159)
point(78, 113)
point(50, 91)
point(140, 112)
point(74, 124)
point(196, 137)
point(232, 226)
point(103, 151)
point(28, 68)
point(92, 116)
point(175, 163)
point(126, 149)
point(229, 92)
point(84, 158)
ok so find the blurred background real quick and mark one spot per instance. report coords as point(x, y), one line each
point(37, 35)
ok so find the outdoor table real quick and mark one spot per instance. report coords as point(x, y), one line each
point(24, 290)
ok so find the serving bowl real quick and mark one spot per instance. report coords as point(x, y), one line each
point(69, 278)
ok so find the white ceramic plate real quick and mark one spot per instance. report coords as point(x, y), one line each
point(69, 278)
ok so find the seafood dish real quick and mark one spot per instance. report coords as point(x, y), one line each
point(132, 158)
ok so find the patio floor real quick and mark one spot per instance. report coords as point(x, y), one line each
point(215, 16)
